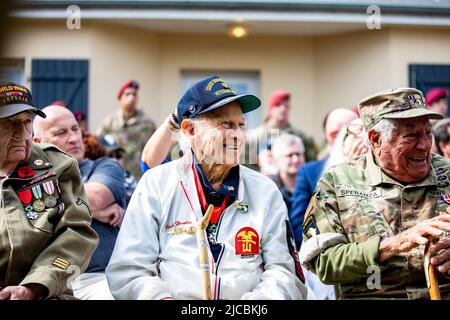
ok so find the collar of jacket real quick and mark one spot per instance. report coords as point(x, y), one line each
point(184, 169)
point(134, 119)
point(229, 187)
point(376, 176)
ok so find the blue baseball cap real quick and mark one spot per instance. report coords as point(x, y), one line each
point(212, 93)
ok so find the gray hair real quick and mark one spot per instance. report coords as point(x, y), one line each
point(284, 140)
point(385, 127)
point(184, 142)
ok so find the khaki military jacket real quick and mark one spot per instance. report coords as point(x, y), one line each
point(131, 135)
point(45, 233)
point(355, 206)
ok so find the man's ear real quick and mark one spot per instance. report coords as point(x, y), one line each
point(187, 127)
point(374, 138)
point(37, 140)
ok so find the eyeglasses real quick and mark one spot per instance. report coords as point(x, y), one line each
point(17, 128)
point(290, 155)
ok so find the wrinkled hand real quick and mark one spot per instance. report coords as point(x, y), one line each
point(420, 233)
point(415, 236)
point(440, 253)
point(32, 292)
point(112, 215)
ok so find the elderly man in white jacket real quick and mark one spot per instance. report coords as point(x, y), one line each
point(251, 250)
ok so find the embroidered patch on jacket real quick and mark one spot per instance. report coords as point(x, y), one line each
point(358, 193)
point(61, 263)
point(309, 227)
point(446, 198)
point(246, 242)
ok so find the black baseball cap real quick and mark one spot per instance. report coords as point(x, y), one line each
point(212, 93)
point(14, 99)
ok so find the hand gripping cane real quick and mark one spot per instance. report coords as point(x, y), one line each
point(431, 273)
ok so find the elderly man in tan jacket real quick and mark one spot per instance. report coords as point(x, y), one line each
point(45, 233)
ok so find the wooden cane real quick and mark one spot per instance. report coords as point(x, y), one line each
point(431, 272)
point(202, 244)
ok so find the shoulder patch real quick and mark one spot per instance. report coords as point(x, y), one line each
point(309, 227)
point(441, 170)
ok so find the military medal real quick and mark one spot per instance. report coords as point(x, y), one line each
point(49, 188)
point(50, 202)
point(32, 215)
point(241, 205)
point(25, 197)
point(61, 207)
point(212, 233)
point(38, 205)
point(41, 177)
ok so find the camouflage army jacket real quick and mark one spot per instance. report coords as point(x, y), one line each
point(45, 233)
point(354, 207)
point(131, 134)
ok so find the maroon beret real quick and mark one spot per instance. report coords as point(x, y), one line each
point(129, 84)
point(435, 94)
point(60, 103)
point(278, 97)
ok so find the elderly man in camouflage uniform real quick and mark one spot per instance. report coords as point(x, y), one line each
point(370, 218)
point(45, 233)
point(130, 127)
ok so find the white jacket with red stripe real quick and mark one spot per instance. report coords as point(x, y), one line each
point(151, 261)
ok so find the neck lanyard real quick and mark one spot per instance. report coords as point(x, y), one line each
point(201, 196)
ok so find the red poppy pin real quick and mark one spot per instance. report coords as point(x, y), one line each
point(25, 172)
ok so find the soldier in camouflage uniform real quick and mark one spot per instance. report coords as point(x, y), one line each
point(370, 217)
point(275, 125)
point(130, 127)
